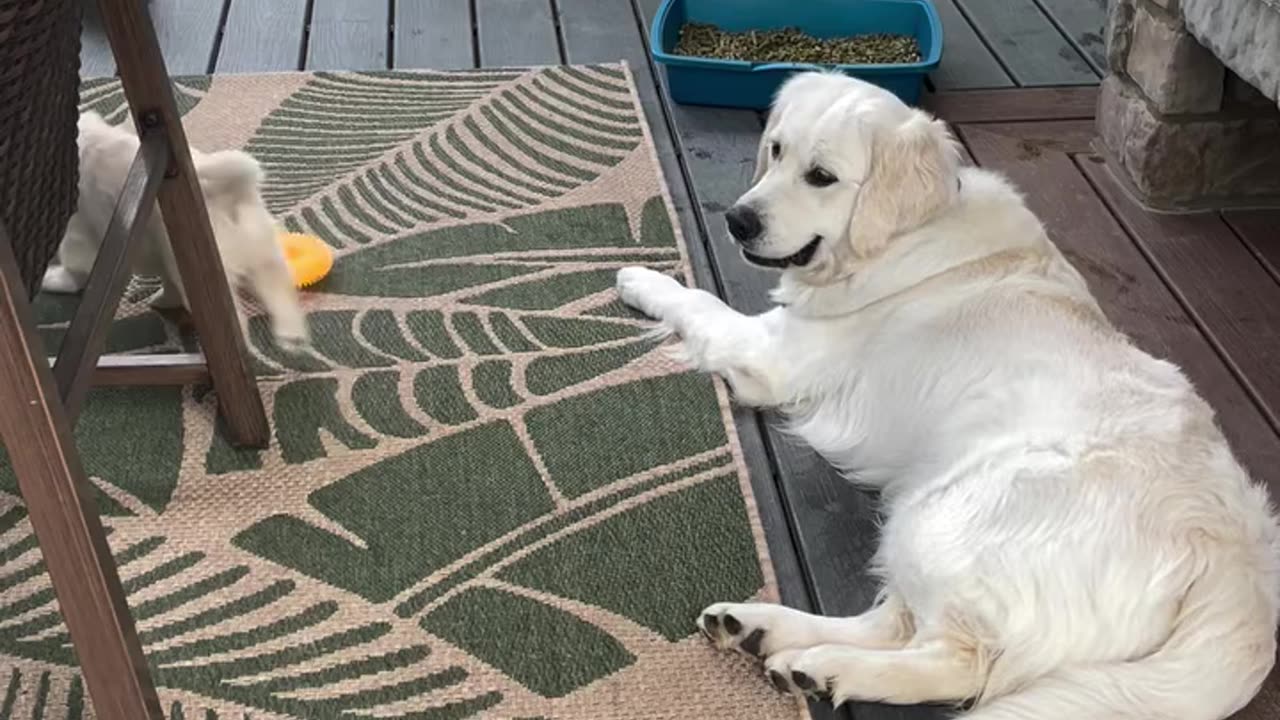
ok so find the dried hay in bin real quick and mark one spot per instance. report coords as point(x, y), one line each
point(790, 45)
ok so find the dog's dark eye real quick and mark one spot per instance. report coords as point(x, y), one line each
point(775, 150)
point(818, 177)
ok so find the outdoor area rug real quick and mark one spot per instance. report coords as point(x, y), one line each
point(488, 493)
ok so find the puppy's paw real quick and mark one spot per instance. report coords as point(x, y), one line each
point(756, 629)
point(58, 279)
point(648, 291)
point(291, 333)
point(166, 299)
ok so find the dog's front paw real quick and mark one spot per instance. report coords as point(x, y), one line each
point(58, 279)
point(648, 291)
point(814, 672)
point(756, 629)
point(291, 333)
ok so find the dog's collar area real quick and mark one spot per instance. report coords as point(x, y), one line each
point(800, 258)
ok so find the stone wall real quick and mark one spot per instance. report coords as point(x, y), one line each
point(1185, 130)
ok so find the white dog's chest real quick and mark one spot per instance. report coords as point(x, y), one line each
point(901, 397)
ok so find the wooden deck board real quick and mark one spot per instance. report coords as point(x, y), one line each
point(188, 33)
point(1060, 136)
point(433, 34)
point(1017, 105)
point(1027, 43)
point(1260, 232)
point(349, 35)
point(96, 59)
point(263, 36)
point(1229, 295)
point(1082, 22)
point(516, 33)
point(719, 147)
point(968, 62)
point(1129, 289)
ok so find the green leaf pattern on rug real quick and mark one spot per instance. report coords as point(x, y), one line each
point(487, 490)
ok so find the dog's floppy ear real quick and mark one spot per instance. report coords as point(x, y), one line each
point(912, 177)
point(762, 150)
point(229, 172)
point(794, 86)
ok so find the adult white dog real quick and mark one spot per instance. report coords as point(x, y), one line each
point(1067, 534)
point(243, 229)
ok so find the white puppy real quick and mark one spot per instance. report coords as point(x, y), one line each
point(244, 230)
point(1067, 535)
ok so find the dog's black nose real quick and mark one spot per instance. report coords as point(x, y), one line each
point(744, 223)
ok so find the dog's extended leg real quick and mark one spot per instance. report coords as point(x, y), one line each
point(936, 672)
point(715, 338)
point(273, 284)
point(763, 629)
point(76, 256)
point(172, 295)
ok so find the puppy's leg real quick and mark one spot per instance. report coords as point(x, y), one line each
point(76, 256)
point(936, 672)
point(58, 279)
point(762, 629)
point(272, 283)
point(714, 337)
point(172, 295)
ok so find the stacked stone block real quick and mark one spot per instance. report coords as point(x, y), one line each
point(1187, 131)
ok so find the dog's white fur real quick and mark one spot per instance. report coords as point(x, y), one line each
point(243, 229)
point(1067, 535)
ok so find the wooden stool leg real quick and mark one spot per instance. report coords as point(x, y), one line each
point(87, 334)
point(146, 85)
point(59, 502)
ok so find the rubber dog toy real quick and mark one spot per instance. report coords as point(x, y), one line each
point(309, 258)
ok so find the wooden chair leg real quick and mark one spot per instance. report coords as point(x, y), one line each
point(59, 502)
point(87, 333)
point(146, 85)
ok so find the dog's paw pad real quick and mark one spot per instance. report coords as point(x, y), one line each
point(803, 681)
point(779, 682)
point(804, 671)
point(732, 625)
point(727, 630)
point(753, 643)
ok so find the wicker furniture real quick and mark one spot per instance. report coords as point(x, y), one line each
point(39, 68)
point(39, 49)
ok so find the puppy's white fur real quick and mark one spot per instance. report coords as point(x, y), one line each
point(243, 229)
point(1067, 534)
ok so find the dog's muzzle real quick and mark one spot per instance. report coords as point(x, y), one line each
point(799, 258)
point(744, 224)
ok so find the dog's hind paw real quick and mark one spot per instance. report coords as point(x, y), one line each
point(804, 672)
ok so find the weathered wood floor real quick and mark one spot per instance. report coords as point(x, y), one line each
point(1016, 83)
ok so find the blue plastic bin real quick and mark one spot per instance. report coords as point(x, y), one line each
point(735, 83)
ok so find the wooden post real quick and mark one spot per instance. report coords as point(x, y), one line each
point(147, 87)
point(87, 333)
point(60, 503)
